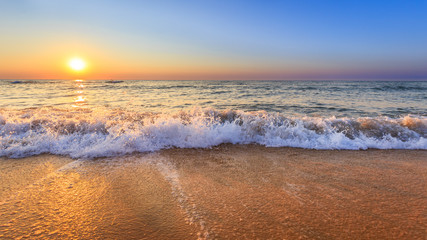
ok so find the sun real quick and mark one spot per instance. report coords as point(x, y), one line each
point(77, 64)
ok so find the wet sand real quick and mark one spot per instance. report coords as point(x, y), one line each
point(227, 192)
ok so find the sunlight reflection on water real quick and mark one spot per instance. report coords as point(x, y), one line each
point(79, 100)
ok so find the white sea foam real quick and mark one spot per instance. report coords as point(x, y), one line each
point(97, 133)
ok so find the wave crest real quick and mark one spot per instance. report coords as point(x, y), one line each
point(102, 133)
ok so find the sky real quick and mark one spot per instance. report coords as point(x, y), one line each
point(214, 40)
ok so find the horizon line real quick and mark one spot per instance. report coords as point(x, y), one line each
point(118, 79)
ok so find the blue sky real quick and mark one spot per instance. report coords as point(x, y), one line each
point(218, 39)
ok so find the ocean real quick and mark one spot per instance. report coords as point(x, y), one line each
point(101, 118)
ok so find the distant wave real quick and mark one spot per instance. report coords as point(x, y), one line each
point(22, 82)
point(102, 133)
point(114, 81)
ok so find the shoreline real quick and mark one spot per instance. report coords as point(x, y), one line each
point(227, 191)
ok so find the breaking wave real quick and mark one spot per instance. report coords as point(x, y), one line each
point(103, 133)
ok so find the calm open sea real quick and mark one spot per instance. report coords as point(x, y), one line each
point(96, 118)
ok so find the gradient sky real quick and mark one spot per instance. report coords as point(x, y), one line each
point(125, 39)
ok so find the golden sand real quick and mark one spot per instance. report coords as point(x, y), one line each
point(228, 192)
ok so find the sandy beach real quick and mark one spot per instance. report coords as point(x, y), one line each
point(227, 192)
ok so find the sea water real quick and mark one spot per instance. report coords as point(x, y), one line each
point(99, 118)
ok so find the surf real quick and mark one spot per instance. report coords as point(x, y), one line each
point(103, 133)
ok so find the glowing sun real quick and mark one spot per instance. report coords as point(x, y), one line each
point(77, 64)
